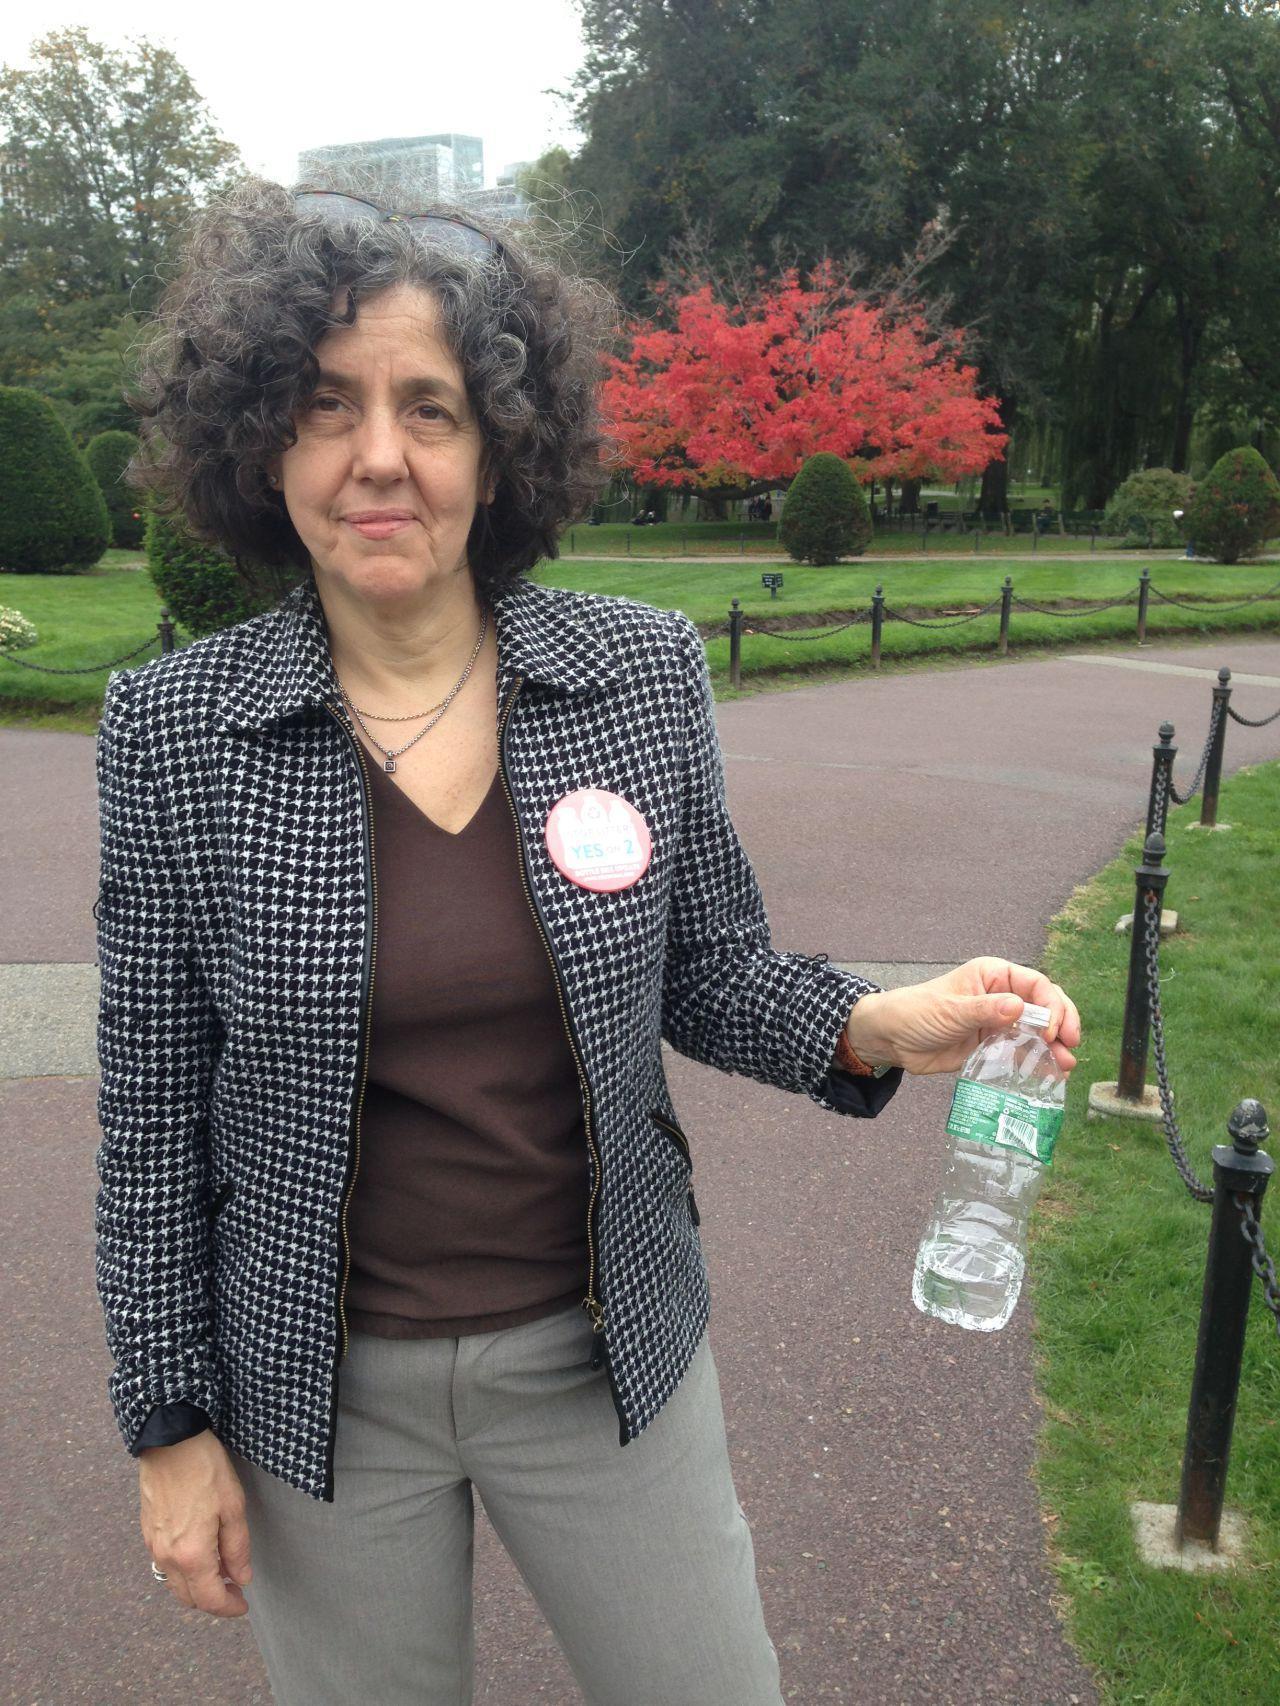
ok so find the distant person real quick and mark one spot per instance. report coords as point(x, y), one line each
point(1045, 516)
point(395, 1208)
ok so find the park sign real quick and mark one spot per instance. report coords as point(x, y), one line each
point(773, 582)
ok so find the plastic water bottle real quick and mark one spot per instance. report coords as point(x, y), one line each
point(1005, 1117)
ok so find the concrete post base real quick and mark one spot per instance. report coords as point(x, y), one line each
point(1105, 1103)
point(1205, 826)
point(1168, 923)
point(1153, 1529)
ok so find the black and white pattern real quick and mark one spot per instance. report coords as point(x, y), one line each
point(231, 939)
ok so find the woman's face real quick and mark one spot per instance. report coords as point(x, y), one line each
point(383, 482)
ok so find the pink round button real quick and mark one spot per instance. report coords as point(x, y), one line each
point(598, 840)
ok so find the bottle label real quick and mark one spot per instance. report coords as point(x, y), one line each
point(1003, 1119)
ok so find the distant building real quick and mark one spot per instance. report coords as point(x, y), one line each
point(418, 169)
point(13, 169)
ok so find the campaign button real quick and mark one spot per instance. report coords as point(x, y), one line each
point(598, 840)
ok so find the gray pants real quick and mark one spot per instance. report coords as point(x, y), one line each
point(640, 1557)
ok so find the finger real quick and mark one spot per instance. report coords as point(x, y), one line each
point(203, 1572)
point(233, 1544)
point(176, 1582)
point(1035, 986)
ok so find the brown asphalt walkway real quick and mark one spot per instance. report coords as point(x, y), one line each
point(882, 1459)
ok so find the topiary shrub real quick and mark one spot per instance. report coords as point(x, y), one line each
point(1141, 512)
point(1235, 509)
point(825, 516)
point(53, 519)
point(108, 456)
point(203, 588)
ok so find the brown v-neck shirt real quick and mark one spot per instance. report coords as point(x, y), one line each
point(469, 1211)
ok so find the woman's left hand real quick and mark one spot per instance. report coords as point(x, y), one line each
point(935, 1026)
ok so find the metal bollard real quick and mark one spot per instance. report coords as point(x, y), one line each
point(628, 541)
point(735, 645)
point(1093, 537)
point(1158, 800)
point(1213, 765)
point(877, 625)
point(924, 534)
point(1144, 593)
point(166, 633)
point(1151, 874)
point(1224, 1312)
point(1006, 606)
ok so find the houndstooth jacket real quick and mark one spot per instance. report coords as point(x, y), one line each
point(237, 943)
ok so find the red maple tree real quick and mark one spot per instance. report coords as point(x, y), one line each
point(729, 395)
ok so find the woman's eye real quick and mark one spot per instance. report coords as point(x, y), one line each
point(325, 405)
point(432, 411)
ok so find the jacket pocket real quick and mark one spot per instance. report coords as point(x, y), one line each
point(682, 1143)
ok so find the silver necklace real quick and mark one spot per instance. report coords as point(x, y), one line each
point(390, 755)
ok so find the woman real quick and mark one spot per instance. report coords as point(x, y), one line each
point(403, 883)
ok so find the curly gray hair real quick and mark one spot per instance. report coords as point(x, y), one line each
point(230, 361)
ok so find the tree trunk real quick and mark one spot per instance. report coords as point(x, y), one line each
point(1184, 412)
point(993, 500)
point(911, 496)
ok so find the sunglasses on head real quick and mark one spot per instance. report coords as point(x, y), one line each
point(341, 209)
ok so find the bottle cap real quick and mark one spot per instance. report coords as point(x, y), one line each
point(1033, 1015)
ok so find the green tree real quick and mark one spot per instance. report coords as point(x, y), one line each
point(114, 148)
point(825, 516)
point(1235, 509)
point(108, 456)
point(203, 587)
point(52, 514)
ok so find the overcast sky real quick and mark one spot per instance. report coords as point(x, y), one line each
point(279, 81)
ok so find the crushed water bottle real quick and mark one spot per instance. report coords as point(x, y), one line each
point(1005, 1117)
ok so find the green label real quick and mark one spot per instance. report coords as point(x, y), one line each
point(1004, 1119)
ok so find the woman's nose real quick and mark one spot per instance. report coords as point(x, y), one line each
point(378, 451)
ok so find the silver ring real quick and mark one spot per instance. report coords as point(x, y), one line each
point(158, 1574)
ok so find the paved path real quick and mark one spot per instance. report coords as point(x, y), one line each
point(903, 824)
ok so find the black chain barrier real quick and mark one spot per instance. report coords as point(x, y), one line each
point(954, 622)
point(1210, 604)
point(1248, 721)
point(1151, 908)
point(87, 669)
point(1092, 610)
point(1263, 1266)
point(782, 633)
point(1215, 717)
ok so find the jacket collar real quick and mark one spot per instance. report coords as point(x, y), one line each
point(291, 668)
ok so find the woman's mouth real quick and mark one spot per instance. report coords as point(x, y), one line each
point(378, 524)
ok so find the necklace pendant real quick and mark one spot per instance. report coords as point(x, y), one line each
point(388, 764)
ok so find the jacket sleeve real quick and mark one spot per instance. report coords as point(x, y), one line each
point(729, 999)
point(157, 1041)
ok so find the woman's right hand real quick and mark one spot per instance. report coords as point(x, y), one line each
point(193, 1522)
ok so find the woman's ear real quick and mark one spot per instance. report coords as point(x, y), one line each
point(272, 470)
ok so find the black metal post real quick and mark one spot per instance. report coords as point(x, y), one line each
point(573, 539)
point(1093, 536)
point(1213, 767)
point(1144, 593)
point(924, 533)
point(1035, 535)
point(877, 625)
point(628, 541)
point(166, 633)
point(1224, 1312)
point(1158, 800)
point(735, 645)
point(1150, 875)
point(1006, 606)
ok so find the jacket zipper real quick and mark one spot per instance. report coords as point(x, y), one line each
point(590, 1302)
point(366, 1012)
point(683, 1141)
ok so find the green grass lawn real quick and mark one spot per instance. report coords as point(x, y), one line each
point(760, 538)
point(104, 614)
point(1117, 1265)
